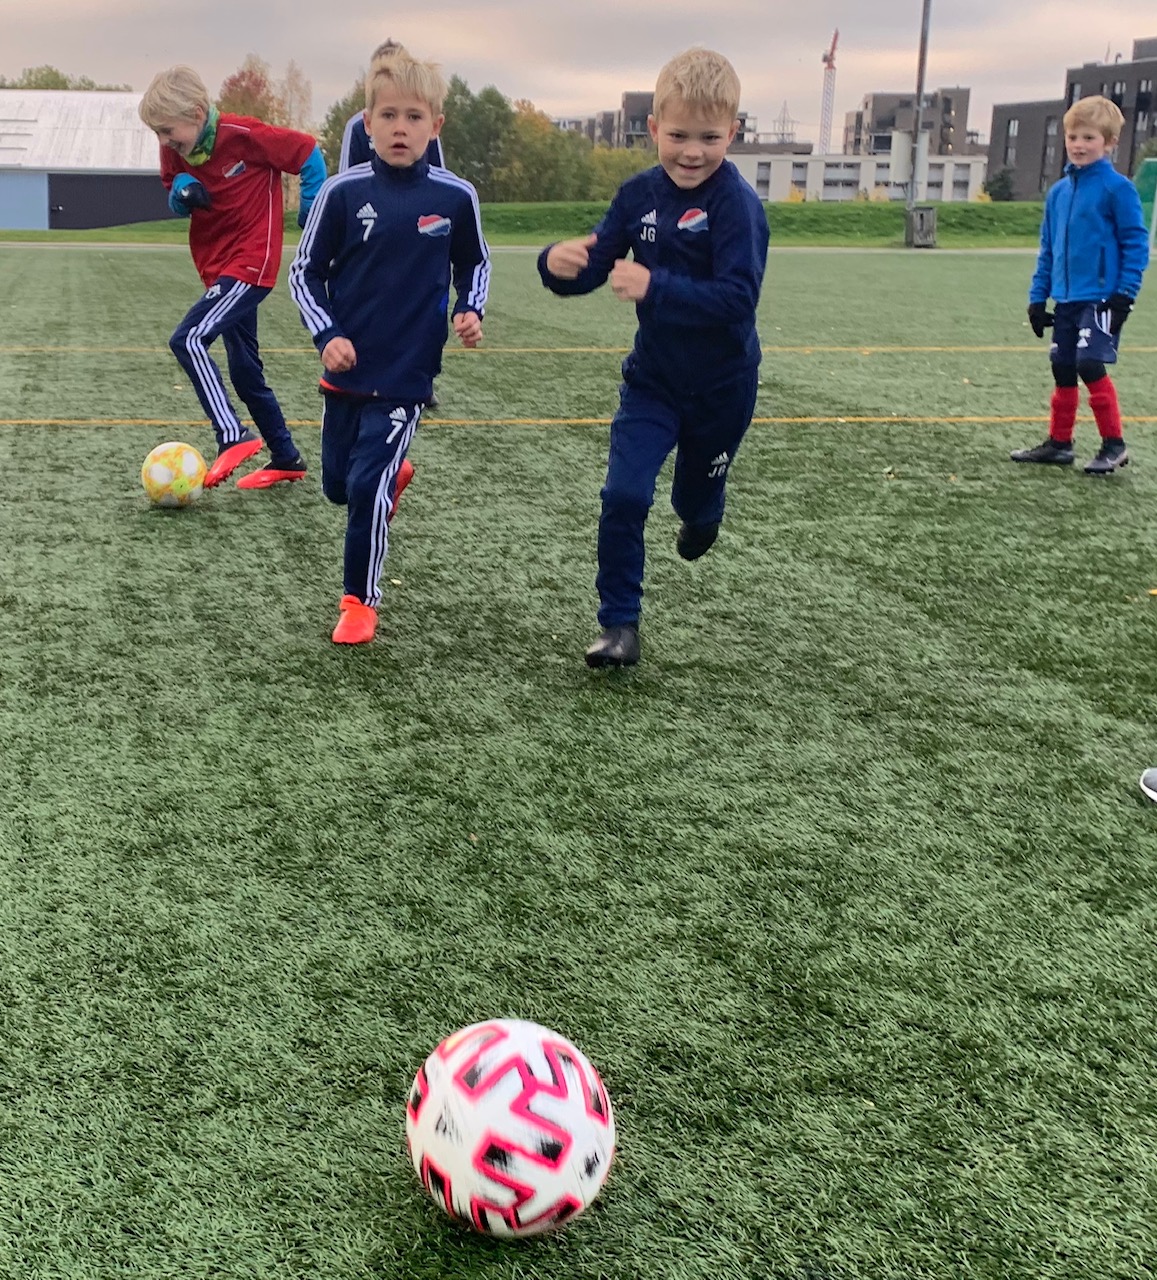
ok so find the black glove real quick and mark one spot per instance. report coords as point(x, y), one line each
point(1039, 318)
point(1120, 304)
point(194, 196)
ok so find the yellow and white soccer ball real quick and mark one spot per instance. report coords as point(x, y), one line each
point(173, 474)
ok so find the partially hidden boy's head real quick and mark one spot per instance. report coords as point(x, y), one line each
point(404, 100)
point(176, 106)
point(1092, 127)
point(694, 117)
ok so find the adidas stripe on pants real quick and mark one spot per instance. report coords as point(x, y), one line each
point(228, 310)
point(363, 445)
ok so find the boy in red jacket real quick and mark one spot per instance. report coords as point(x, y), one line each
point(224, 173)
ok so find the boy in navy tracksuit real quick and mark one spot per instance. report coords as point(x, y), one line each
point(1094, 248)
point(698, 235)
point(370, 278)
point(223, 171)
point(356, 149)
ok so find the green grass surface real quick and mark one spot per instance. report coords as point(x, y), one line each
point(848, 889)
point(813, 223)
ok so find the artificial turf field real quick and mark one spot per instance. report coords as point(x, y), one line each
point(848, 889)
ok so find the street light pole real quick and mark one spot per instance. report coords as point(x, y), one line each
point(918, 123)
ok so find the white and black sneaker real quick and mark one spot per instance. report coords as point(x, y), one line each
point(1149, 783)
point(1111, 455)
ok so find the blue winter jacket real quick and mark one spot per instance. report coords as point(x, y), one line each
point(1093, 241)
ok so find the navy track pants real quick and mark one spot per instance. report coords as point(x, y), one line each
point(228, 310)
point(363, 445)
point(704, 430)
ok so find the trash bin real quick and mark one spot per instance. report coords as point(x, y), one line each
point(921, 227)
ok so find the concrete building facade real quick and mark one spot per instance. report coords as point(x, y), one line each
point(848, 177)
point(1028, 139)
point(869, 130)
point(631, 120)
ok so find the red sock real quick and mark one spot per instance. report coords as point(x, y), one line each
point(1063, 415)
point(1103, 402)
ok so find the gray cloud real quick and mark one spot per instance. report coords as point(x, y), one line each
point(578, 59)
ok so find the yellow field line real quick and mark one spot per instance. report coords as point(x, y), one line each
point(309, 351)
point(809, 420)
point(570, 351)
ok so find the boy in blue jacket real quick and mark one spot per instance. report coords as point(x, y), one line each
point(371, 279)
point(1094, 248)
point(698, 236)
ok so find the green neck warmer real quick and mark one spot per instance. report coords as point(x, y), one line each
point(203, 147)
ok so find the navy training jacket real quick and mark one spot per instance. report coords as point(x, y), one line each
point(1093, 240)
point(374, 265)
point(706, 250)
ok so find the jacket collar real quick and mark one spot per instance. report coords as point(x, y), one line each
point(392, 174)
point(1072, 170)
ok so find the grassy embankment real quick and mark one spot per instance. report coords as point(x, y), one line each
point(866, 226)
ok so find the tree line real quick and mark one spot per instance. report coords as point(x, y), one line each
point(47, 77)
point(509, 150)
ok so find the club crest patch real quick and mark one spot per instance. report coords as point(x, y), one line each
point(693, 220)
point(433, 224)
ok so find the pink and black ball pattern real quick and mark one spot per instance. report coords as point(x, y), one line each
point(510, 1128)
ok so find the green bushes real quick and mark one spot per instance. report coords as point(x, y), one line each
point(810, 223)
point(816, 223)
point(957, 225)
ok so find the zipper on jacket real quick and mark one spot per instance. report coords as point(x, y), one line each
point(1068, 223)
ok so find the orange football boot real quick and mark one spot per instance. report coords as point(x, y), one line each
point(228, 460)
point(266, 477)
point(405, 475)
point(357, 623)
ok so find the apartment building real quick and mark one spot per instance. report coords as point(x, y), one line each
point(1027, 138)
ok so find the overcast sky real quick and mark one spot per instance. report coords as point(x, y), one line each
point(573, 59)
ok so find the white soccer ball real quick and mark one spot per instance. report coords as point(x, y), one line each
point(173, 475)
point(510, 1128)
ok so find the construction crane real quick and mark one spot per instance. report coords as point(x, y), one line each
point(829, 99)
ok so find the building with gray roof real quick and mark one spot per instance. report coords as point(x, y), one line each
point(76, 158)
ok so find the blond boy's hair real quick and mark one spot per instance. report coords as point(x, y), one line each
point(386, 49)
point(411, 78)
point(174, 94)
point(1096, 113)
point(700, 79)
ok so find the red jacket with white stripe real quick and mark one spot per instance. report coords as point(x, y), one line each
point(241, 234)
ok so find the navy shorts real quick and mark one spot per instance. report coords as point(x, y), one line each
point(1081, 334)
